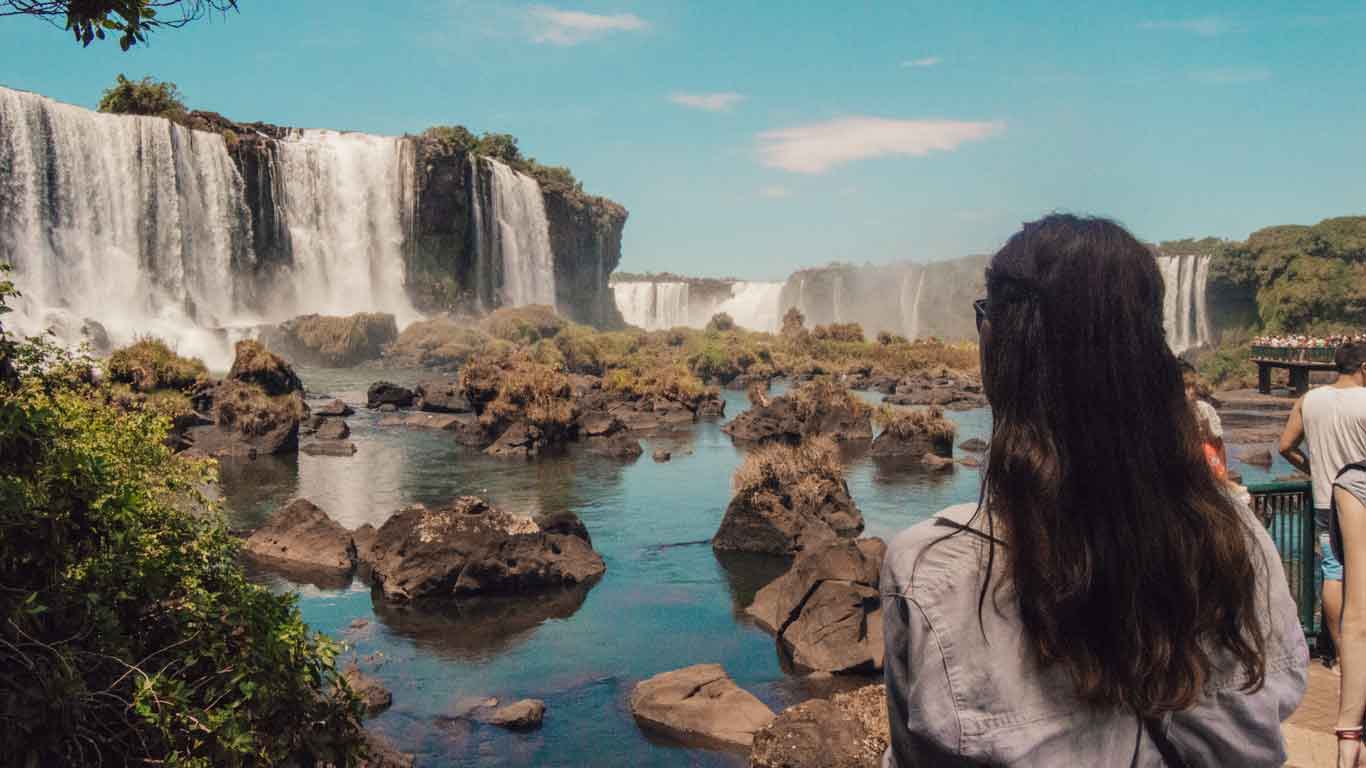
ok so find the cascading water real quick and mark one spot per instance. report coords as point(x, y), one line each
point(910, 322)
point(132, 221)
point(1184, 308)
point(347, 207)
point(142, 225)
point(653, 306)
point(520, 236)
point(756, 306)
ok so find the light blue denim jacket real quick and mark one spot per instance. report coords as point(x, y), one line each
point(959, 698)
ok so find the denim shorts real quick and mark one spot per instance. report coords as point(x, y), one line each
point(1329, 566)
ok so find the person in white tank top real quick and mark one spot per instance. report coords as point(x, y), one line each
point(1332, 420)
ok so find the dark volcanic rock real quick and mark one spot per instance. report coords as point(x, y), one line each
point(334, 408)
point(523, 715)
point(302, 536)
point(849, 730)
point(788, 523)
point(333, 428)
point(329, 448)
point(441, 396)
point(826, 610)
point(618, 446)
point(700, 704)
point(520, 441)
point(373, 695)
point(385, 393)
point(469, 548)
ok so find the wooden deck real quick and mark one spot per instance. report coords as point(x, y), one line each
point(1309, 740)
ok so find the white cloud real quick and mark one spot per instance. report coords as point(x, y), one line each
point(710, 102)
point(559, 27)
point(928, 61)
point(1206, 26)
point(775, 191)
point(1231, 75)
point(818, 147)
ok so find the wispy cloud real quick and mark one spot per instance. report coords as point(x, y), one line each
point(560, 27)
point(818, 147)
point(928, 61)
point(710, 102)
point(1205, 26)
point(775, 191)
point(1231, 75)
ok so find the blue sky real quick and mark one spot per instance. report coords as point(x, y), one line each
point(753, 138)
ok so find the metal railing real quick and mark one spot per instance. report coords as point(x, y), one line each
point(1287, 509)
point(1311, 355)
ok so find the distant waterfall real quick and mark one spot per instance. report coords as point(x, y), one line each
point(756, 306)
point(910, 321)
point(1184, 312)
point(348, 207)
point(132, 221)
point(653, 306)
point(521, 238)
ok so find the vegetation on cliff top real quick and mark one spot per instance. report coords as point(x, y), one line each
point(120, 577)
point(503, 147)
point(129, 20)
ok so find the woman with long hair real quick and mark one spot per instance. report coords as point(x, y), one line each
point(1106, 602)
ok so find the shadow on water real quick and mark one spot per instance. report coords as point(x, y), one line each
point(746, 573)
point(475, 629)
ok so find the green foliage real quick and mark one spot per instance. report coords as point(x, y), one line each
point(143, 97)
point(130, 634)
point(499, 146)
point(149, 364)
point(526, 325)
point(453, 137)
point(129, 20)
point(1229, 365)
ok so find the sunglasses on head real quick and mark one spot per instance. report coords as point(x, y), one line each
point(979, 308)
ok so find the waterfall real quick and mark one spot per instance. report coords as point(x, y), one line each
point(835, 302)
point(653, 306)
point(756, 306)
point(911, 326)
point(132, 221)
point(347, 208)
point(1184, 314)
point(521, 238)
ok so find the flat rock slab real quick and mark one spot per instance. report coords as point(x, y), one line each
point(329, 448)
point(334, 408)
point(521, 715)
point(700, 704)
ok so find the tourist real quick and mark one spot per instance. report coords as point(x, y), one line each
point(1348, 524)
point(1332, 420)
point(1106, 602)
point(1211, 428)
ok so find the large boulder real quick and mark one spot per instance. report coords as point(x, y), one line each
point(301, 535)
point(468, 548)
point(333, 428)
point(700, 704)
point(817, 408)
point(334, 408)
point(437, 395)
point(383, 393)
point(913, 433)
point(826, 610)
point(254, 364)
point(374, 697)
point(256, 410)
point(521, 441)
point(953, 391)
point(523, 715)
point(849, 730)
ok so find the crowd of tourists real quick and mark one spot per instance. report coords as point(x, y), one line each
point(1109, 600)
point(1302, 341)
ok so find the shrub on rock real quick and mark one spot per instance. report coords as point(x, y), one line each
point(525, 325)
point(913, 432)
point(254, 364)
point(149, 365)
point(820, 407)
point(789, 499)
point(333, 341)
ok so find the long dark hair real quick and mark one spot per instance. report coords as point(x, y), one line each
point(1131, 565)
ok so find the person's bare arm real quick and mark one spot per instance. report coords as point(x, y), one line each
point(1352, 654)
point(1293, 436)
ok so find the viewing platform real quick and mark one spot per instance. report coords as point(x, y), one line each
point(1299, 361)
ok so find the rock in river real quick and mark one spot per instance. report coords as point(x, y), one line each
point(700, 704)
point(826, 610)
point(385, 393)
point(468, 548)
point(848, 730)
point(302, 536)
point(373, 695)
point(333, 428)
point(523, 715)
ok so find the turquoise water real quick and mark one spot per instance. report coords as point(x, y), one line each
point(666, 600)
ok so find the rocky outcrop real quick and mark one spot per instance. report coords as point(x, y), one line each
point(302, 536)
point(826, 610)
point(974, 445)
point(618, 446)
point(817, 408)
point(374, 697)
point(914, 433)
point(469, 548)
point(849, 730)
point(383, 393)
point(333, 428)
point(329, 448)
point(436, 395)
point(334, 408)
point(330, 341)
point(524, 715)
point(700, 705)
point(256, 410)
point(952, 391)
point(585, 236)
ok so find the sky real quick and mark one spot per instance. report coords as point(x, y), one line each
point(752, 138)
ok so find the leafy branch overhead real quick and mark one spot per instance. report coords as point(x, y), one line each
point(128, 20)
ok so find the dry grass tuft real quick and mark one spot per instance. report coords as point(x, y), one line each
point(343, 340)
point(519, 389)
point(906, 423)
point(825, 395)
point(802, 470)
point(149, 364)
point(255, 364)
point(525, 325)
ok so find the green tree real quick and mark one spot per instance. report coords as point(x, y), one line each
point(128, 631)
point(143, 97)
point(128, 20)
point(501, 146)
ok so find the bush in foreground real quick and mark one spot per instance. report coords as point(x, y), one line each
point(129, 634)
